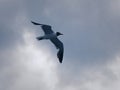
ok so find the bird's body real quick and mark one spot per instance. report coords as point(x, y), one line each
point(47, 36)
point(50, 35)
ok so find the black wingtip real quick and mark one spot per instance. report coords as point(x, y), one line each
point(32, 22)
point(60, 56)
point(36, 23)
point(60, 59)
point(61, 62)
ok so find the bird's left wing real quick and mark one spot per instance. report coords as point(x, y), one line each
point(46, 28)
point(59, 45)
point(36, 23)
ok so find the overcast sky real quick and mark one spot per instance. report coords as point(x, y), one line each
point(91, 40)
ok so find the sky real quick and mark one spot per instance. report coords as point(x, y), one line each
point(91, 42)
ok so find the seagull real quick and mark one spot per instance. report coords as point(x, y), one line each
point(49, 34)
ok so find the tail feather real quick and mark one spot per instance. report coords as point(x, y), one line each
point(39, 38)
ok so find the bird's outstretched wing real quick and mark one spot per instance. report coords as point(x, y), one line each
point(46, 28)
point(59, 45)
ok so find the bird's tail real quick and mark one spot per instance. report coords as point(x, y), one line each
point(39, 38)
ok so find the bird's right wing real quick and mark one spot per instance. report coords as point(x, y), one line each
point(46, 28)
point(59, 45)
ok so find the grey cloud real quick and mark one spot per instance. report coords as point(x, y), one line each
point(91, 39)
point(9, 35)
point(24, 67)
point(96, 78)
point(94, 30)
point(91, 31)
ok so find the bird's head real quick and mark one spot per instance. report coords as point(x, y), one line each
point(58, 33)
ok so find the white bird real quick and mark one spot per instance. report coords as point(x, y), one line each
point(50, 35)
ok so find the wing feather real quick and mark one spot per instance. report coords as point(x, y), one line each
point(59, 45)
point(46, 28)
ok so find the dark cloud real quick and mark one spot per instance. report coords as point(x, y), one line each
point(91, 32)
point(9, 34)
point(91, 40)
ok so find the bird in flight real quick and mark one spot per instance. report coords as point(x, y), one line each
point(49, 34)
